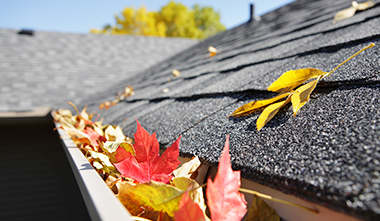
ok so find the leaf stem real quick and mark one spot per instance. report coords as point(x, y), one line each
point(363, 49)
point(276, 200)
point(74, 107)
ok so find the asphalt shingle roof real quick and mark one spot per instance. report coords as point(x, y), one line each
point(49, 69)
point(328, 153)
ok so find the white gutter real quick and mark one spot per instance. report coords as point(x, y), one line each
point(101, 202)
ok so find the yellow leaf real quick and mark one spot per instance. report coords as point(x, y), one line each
point(365, 5)
point(261, 211)
point(285, 85)
point(346, 13)
point(183, 183)
point(349, 12)
point(176, 73)
point(302, 95)
point(153, 195)
point(252, 106)
point(291, 79)
point(269, 113)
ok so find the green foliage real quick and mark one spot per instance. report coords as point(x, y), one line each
point(207, 20)
point(173, 20)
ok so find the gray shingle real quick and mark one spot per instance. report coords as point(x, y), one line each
point(49, 69)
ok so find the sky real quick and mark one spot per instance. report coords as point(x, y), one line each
point(79, 16)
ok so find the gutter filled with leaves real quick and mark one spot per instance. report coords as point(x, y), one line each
point(151, 186)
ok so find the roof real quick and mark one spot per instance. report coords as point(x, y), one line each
point(49, 69)
point(328, 153)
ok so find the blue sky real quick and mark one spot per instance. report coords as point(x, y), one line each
point(79, 16)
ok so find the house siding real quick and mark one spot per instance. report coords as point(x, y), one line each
point(37, 182)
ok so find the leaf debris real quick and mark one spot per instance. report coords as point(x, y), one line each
point(128, 91)
point(349, 12)
point(145, 182)
point(212, 51)
point(176, 73)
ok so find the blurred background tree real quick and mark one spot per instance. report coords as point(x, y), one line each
point(173, 20)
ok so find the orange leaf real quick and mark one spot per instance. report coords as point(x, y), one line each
point(188, 210)
point(224, 200)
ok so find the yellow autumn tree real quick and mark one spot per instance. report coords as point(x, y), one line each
point(173, 20)
point(135, 22)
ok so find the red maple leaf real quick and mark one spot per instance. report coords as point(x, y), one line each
point(188, 210)
point(224, 200)
point(147, 164)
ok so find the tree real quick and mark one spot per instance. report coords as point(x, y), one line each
point(173, 20)
point(207, 20)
